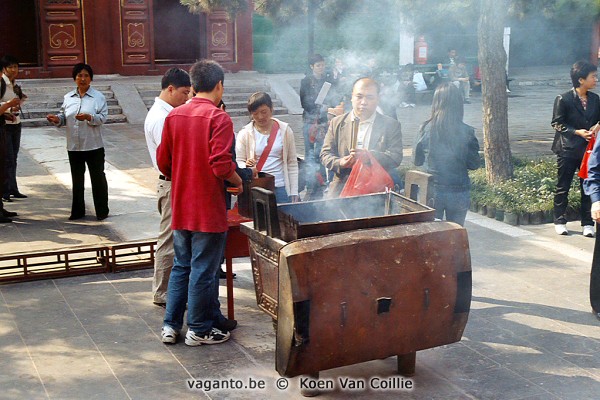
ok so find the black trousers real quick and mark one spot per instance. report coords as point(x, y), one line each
point(595, 277)
point(2, 157)
point(95, 162)
point(566, 170)
point(12, 145)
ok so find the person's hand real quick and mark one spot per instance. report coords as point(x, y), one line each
point(10, 117)
point(347, 161)
point(584, 133)
point(83, 117)
point(254, 172)
point(13, 102)
point(337, 110)
point(295, 199)
point(53, 118)
point(251, 162)
point(596, 211)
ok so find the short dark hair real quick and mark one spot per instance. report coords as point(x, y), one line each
point(315, 58)
point(77, 68)
point(176, 77)
point(580, 70)
point(8, 60)
point(206, 74)
point(259, 99)
point(368, 82)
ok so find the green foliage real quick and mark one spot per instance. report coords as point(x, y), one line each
point(233, 7)
point(531, 189)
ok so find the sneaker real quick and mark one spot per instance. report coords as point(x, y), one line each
point(226, 325)
point(588, 231)
point(215, 336)
point(561, 229)
point(168, 334)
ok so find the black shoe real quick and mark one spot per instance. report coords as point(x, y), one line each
point(73, 217)
point(4, 220)
point(101, 217)
point(19, 195)
point(596, 314)
point(7, 199)
point(9, 214)
point(226, 325)
point(163, 305)
point(223, 274)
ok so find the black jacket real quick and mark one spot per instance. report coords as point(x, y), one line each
point(449, 164)
point(567, 117)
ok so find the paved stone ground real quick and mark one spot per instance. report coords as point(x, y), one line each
point(530, 333)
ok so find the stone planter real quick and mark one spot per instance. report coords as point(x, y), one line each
point(549, 216)
point(511, 218)
point(500, 215)
point(483, 209)
point(491, 212)
point(474, 207)
point(524, 218)
point(537, 217)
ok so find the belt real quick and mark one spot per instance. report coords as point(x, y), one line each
point(163, 178)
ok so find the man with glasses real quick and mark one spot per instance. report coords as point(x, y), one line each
point(377, 133)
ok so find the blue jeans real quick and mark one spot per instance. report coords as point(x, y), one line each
point(281, 195)
point(193, 280)
point(454, 204)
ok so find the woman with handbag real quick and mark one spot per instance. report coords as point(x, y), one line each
point(267, 143)
point(575, 113)
point(449, 148)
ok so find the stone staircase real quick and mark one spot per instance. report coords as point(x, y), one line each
point(235, 97)
point(42, 101)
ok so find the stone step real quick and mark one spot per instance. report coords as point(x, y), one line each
point(229, 89)
point(42, 112)
point(55, 104)
point(61, 90)
point(36, 122)
point(230, 104)
point(227, 97)
point(58, 96)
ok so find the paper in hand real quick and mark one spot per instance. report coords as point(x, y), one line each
point(323, 93)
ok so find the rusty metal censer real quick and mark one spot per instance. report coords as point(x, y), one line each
point(356, 279)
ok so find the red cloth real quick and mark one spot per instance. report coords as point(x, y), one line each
point(195, 152)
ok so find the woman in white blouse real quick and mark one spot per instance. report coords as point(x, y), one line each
point(84, 112)
point(253, 139)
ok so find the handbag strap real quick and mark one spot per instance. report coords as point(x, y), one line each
point(263, 157)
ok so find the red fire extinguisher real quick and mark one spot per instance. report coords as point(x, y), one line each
point(421, 51)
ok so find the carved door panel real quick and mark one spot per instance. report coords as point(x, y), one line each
point(221, 37)
point(135, 31)
point(62, 32)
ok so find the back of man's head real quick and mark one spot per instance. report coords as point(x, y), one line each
point(175, 77)
point(8, 60)
point(206, 74)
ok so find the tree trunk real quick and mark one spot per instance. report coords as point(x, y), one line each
point(492, 62)
point(310, 16)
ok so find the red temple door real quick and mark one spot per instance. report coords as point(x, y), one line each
point(62, 32)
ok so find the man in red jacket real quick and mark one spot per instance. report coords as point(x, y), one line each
point(195, 153)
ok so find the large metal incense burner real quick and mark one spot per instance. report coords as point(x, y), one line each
point(356, 279)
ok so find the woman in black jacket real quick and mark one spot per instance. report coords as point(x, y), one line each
point(575, 113)
point(450, 149)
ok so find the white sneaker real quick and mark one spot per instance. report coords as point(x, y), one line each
point(588, 231)
point(215, 336)
point(561, 229)
point(168, 334)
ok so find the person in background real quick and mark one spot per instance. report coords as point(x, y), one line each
point(175, 88)
point(84, 112)
point(5, 215)
point(459, 76)
point(575, 113)
point(10, 70)
point(591, 185)
point(449, 148)
point(253, 140)
point(315, 124)
point(379, 134)
point(195, 153)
